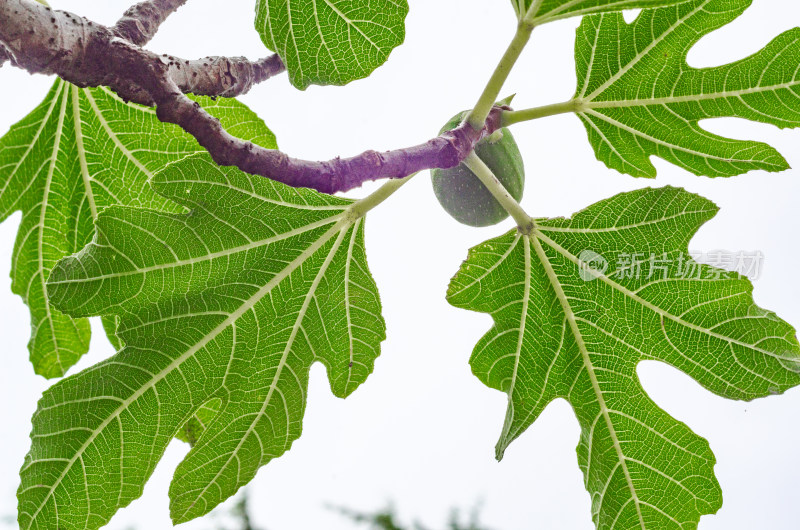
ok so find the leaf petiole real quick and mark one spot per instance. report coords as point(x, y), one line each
point(488, 178)
point(477, 117)
point(511, 117)
point(530, 15)
point(360, 208)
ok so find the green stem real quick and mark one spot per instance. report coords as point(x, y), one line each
point(477, 117)
point(360, 208)
point(532, 12)
point(487, 177)
point(511, 117)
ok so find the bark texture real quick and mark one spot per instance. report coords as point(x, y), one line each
point(47, 41)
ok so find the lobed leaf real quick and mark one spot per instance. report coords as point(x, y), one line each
point(331, 42)
point(580, 302)
point(638, 97)
point(81, 150)
point(540, 12)
point(222, 311)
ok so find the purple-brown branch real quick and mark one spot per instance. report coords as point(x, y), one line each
point(211, 76)
point(221, 76)
point(84, 53)
point(140, 23)
point(73, 48)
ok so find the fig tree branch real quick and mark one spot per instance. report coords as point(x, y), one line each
point(211, 76)
point(74, 48)
point(84, 53)
point(221, 76)
point(140, 23)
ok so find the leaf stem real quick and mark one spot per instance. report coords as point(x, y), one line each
point(360, 208)
point(488, 178)
point(477, 117)
point(530, 15)
point(510, 117)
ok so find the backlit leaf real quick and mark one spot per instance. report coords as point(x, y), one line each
point(81, 150)
point(542, 11)
point(331, 42)
point(222, 311)
point(638, 96)
point(580, 302)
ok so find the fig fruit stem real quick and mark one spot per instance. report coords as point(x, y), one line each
point(477, 116)
point(488, 178)
point(510, 117)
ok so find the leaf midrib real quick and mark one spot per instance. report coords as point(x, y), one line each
point(41, 225)
point(613, 148)
point(689, 98)
point(642, 54)
point(570, 230)
point(114, 138)
point(201, 259)
point(657, 141)
point(526, 298)
point(565, 305)
point(43, 123)
point(350, 334)
point(656, 309)
point(87, 179)
point(246, 306)
point(560, 13)
point(279, 370)
point(350, 23)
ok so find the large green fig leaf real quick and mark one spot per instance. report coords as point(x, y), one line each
point(539, 12)
point(331, 42)
point(81, 150)
point(638, 97)
point(579, 302)
point(222, 311)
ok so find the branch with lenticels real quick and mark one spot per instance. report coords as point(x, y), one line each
point(140, 23)
point(41, 40)
point(211, 76)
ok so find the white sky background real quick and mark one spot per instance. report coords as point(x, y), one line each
point(421, 431)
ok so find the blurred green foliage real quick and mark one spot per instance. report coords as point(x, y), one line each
point(387, 519)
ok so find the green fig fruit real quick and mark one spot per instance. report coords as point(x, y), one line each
point(464, 196)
